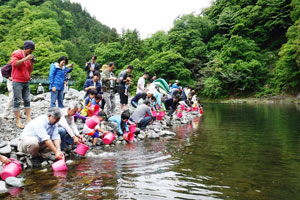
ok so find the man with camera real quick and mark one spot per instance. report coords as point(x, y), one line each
point(22, 62)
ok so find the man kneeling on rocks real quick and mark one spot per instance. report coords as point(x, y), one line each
point(67, 128)
point(41, 135)
point(139, 117)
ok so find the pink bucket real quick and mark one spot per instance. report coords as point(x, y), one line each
point(108, 138)
point(161, 113)
point(92, 122)
point(201, 111)
point(128, 136)
point(159, 117)
point(182, 107)
point(81, 149)
point(195, 108)
point(188, 109)
point(12, 168)
point(132, 128)
point(59, 165)
point(179, 115)
point(154, 113)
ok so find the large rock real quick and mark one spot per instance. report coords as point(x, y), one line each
point(5, 150)
point(39, 97)
point(168, 133)
point(15, 182)
point(3, 144)
point(3, 188)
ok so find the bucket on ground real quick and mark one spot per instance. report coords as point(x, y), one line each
point(128, 136)
point(13, 168)
point(60, 165)
point(159, 117)
point(132, 128)
point(195, 108)
point(182, 107)
point(161, 113)
point(81, 149)
point(201, 111)
point(188, 109)
point(92, 122)
point(154, 113)
point(179, 115)
point(108, 138)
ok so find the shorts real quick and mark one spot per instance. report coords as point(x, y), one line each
point(94, 134)
point(123, 97)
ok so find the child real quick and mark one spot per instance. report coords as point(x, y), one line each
point(127, 84)
point(87, 102)
point(95, 105)
point(119, 123)
point(95, 132)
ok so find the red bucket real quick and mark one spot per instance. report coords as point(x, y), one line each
point(161, 113)
point(132, 128)
point(179, 115)
point(201, 111)
point(188, 109)
point(154, 113)
point(108, 138)
point(182, 107)
point(12, 168)
point(81, 149)
point(159, 117)
point(60, 165)
point(92, 122)
point(195, 108)
point(128, 136)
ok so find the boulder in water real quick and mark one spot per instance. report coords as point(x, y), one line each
point(15, 182)
point(3, 188)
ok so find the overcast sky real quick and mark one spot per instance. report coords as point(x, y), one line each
point(147, 16)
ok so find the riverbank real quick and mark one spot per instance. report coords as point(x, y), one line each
point(40, 103)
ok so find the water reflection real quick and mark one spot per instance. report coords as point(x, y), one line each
point(232, 152)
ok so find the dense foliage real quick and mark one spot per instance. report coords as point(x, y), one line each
point(232, 48)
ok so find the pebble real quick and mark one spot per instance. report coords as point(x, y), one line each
point(44, 164)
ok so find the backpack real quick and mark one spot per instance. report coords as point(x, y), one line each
point(6, 70)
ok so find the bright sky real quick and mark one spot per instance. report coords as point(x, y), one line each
point(147, 16)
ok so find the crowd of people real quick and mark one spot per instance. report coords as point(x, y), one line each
point(57, 129)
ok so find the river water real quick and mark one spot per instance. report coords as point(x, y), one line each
point(234, 151)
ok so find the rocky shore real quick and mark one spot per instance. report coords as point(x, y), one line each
point(10, 133)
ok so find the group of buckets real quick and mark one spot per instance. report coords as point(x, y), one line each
point(158, 114)
point(188, 109)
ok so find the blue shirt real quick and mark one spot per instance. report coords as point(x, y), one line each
point(41, 129)
point(117, 119)
point(175, 85)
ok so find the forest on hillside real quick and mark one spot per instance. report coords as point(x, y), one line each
point(233, 48)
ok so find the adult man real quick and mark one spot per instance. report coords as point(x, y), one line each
point(92, 84)
point(138, 115)
point(175, 85)
point(141, 83)
point(67, 128)
point(40, 89)
point(41, 135)
point(153, 78)
point(91, 67)
point(22, 62)
point(122, 78)
point(108, 88)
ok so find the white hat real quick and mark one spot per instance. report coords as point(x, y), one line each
point(176, 81)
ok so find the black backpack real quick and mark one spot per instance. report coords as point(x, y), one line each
point(6, 70)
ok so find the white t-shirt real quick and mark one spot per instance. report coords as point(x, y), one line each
point(141, 82)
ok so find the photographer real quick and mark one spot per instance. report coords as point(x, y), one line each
point(22, 62)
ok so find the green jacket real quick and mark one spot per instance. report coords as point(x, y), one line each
point(105, 80)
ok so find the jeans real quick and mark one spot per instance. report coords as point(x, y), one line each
point(21, 91)
point(144, 122)
point(59, 95)
point(65, 137)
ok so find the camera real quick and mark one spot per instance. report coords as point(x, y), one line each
point(34, 59)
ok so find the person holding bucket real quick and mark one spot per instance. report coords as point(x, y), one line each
point(118, 123)
point(40, 136)
point(67, 129)
point(171, 104)
point(94, 129)
point(4, 159)
point(138, 115)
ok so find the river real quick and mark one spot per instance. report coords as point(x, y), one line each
point(234, 151)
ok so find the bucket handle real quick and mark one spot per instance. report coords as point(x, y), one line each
point(12, 160)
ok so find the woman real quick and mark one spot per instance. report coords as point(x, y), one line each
point(57, 78)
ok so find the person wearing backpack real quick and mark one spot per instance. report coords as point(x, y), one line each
point(22, 62)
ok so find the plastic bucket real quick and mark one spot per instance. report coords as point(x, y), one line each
point(188, 109)
point(195, 108)
point(159, 117)
point(128, 136)
point(12, 168)
point(60, 165)
point(108, 138)
point(161, 113)
point(132, 128)
point(154, 113)
point(182, 107)
point(179, 115)
point(81, 149)
point(92, 122)
point(201, 111)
